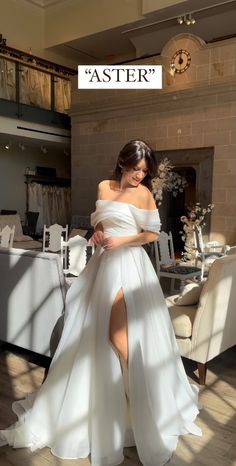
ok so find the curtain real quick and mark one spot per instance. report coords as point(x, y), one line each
point(52, 202)
point(7, 80)
point(62, 94)
point(35, 87)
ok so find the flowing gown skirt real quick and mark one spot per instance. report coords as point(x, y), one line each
point(81, 407)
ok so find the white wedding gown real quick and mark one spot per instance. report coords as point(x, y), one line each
point(81, 407)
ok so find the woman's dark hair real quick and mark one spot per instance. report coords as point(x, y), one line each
point(130, 155)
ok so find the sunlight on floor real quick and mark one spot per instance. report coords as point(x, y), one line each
point(27, 378)
point(216, 446)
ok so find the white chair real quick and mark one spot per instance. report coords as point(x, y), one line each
point(74, 253)
point(53, 236)
point(166, 264)
point(207, 253)
point(7, 236)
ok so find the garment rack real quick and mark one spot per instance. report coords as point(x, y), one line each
point(47, 180)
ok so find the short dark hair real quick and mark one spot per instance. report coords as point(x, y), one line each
point(130, 155)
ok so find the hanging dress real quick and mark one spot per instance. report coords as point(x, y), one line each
point(80, 409)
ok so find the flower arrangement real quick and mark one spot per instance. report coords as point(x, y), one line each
point(195, 217)
point(167, 180)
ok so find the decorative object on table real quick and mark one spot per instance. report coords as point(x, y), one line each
point(195, 218)
point(167, 179)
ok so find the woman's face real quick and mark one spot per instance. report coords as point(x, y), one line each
point(135, 175)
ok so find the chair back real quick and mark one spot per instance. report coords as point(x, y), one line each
point(164, 250)
point(53, 236)
point(31, 222)
point(74, 255)
point(7, 236)
point(198, 240)
point(215, 319)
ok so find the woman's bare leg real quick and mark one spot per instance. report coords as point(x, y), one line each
point(118, 331)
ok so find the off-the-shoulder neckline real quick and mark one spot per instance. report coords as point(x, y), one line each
point(126, 203)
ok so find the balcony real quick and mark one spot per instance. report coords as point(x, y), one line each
point(34, 89)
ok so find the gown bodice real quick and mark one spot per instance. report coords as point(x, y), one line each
point(124, 219)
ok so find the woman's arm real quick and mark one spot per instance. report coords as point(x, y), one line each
point(98, 236)
point(99, 227)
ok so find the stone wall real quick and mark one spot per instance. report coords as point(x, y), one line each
point(195, 109)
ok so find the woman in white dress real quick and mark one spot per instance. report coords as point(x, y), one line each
point(115, 313)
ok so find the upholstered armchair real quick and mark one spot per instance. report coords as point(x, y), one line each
point(204, 317)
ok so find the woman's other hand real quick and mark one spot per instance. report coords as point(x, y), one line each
point(112, 242)
point(97, 238)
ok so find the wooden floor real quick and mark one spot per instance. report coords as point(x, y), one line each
point(217, 446)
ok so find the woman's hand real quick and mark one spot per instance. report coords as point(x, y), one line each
point(97, 238)
point(112, 242)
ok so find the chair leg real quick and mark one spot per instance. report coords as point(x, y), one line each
point(202, 370)
point(182, 283)
point(172, 285)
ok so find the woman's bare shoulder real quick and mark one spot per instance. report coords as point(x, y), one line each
point(104, 187)
point(146, 199)
point(104, 183)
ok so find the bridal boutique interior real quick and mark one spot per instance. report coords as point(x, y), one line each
point(57, 143)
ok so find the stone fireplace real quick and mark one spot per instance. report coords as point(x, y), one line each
point(196, 166)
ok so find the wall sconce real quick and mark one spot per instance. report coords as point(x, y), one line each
point(66, 152)
point(8, 145)
point(21, 146)
point(191, 19)
point(187, 19)
point(43, 149)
